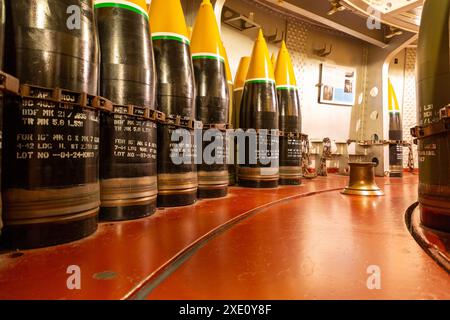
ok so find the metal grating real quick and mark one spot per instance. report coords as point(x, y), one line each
point(296, 41)
point(410, 102)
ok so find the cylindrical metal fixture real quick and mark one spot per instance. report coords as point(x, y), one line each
point(127, 64)
point(231, 148)
point(237, 100)
point(289, 119)
point(291, 138)
point(395, 134)
point(212, 101)
point(290, 158)
point(51, 192)
point(213, 173)
point(395, 150)
point(128, 148)
point(362, 180)
point(177, 183)
point(128, 162)
point(241, 76)
point(212, 104)
point(259, 111)
point(177, 169)
point(230, 122)
point(434, 97)
point(259, 106)
point(175, 76)
point(238, 89)
point(51, 189)
point(53, 43)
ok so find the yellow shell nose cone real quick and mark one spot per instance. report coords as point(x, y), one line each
point(260, 68)
point(274, 60)
point(167, 21)
point(284, 70)
point(206, 41)
point(393, 101)
point(241, 74)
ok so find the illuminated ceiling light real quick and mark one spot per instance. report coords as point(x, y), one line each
point(336, 6)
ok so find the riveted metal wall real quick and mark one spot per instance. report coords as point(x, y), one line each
point(296, 41)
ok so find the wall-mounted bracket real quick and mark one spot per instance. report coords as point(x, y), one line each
point(238, 21)
point(324, 51)
point(276, 38)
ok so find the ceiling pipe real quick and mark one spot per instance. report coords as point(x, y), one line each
point(296, 11)
point(336, 6)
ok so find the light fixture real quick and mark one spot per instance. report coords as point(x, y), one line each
point(393, 32)
point(336, 6)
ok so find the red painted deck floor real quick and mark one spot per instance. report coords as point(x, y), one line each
point(304, 242)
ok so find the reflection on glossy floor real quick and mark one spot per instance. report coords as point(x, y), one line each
point(306, 242)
